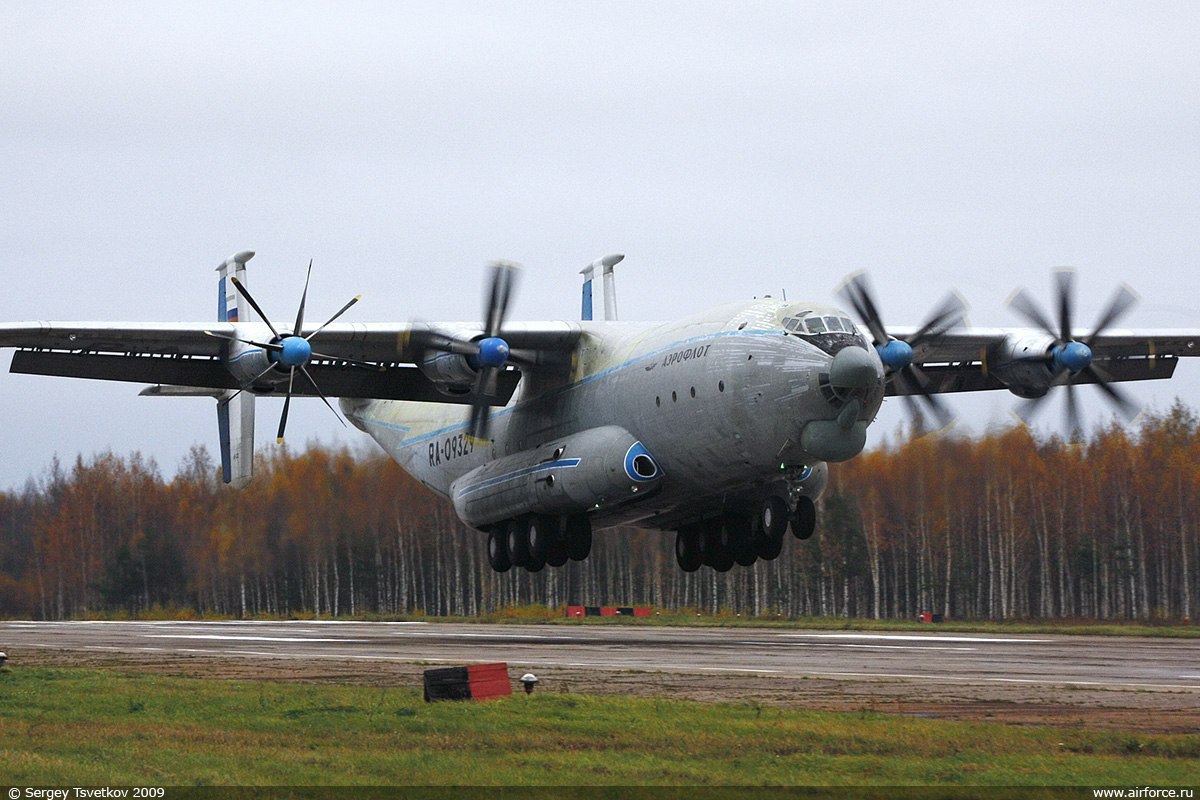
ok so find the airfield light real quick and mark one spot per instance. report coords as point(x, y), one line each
point(3, 658)
point(529, 680)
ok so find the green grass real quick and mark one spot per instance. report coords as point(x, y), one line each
point(96, 727)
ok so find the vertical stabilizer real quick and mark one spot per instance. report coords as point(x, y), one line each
point(608, 285)
point(235, 410)
point(589, 275)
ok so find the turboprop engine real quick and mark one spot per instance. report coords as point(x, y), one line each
point(597, 468)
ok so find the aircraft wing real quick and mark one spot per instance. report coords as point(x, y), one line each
point(962, 361)
point(190, 355)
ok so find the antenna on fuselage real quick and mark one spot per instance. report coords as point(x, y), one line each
point(609, 286)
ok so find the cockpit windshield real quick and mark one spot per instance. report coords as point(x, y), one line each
point(829, 332)
point(815, 325)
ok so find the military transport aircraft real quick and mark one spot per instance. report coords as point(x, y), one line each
point(718, 426)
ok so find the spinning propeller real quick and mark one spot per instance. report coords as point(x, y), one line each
point(1069, 356)
point(292, 351)
point(488, 354)
point(897, 354)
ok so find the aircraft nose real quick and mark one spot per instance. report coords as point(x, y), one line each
point(853, 368)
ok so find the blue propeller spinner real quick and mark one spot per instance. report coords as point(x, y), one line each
point(292, 351)
point(897, 354)
point(1069, 357)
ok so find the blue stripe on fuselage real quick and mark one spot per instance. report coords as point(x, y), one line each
point(562, 463)
point(588, 379)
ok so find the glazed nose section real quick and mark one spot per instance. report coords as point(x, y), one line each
point(853, 368)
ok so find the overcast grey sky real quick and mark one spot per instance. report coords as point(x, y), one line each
point(729, 149)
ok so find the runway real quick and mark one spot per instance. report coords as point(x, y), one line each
point(838, 668)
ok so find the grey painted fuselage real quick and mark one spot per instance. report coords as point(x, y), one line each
point(719, 399)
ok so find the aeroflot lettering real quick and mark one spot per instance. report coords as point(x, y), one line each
point(699, 351)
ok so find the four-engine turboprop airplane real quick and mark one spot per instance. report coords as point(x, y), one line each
point(718, 427)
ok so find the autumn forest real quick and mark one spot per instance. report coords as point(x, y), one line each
point(1004, 526)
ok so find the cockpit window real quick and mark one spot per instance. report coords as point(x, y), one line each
point(815, 325)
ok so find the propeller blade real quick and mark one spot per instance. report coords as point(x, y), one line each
point(303, 299)
point(327, 322)
point(287, 402)
point(1122, 301)
point(352, 362)
point(1028, 409)
point(941, 413)
point(945, 317)
point(244, 292)
point(321, 394)
point(503, 277)
point(1064, 279)
point(857, 292)
point(1071, 415)
point(250, 383)
point(433, 340)
point(1116, 397)
point(1025, 305)
point(266, 345)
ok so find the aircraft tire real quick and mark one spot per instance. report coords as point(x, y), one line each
point(723, 562)
point(579, 537)
point(804, 518)
point(497, 550)
point(556, 552)
point(543, 530)
point(773, 517)
point(767, 547)
point(740, 541)
point(687, 549)
point(518, 542)
point(535, 564)
point(711, 544)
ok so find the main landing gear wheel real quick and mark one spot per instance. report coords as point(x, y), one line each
point(688, 549)
point(740, 540)
point(715, 547)
point(497, 549)
point(804, 518)
point(579, 537)
point(518, 542)
point(556, 541)
point(769, 527)
point(542, 531)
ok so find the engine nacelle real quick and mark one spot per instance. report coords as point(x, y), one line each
point(597, 468)
point(247, 362)
point(450, 372)
point(1022, 363)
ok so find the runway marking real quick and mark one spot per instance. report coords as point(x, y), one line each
point(907, 637)
point(228, 637)
point(865, 646)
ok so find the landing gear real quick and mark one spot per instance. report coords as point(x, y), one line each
point(688, 549)
point(497, 549)
point(804, 518)
point(769, 527)
point(535, 541)
point(740, 539)
point(518, 542)
point(579, 537)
